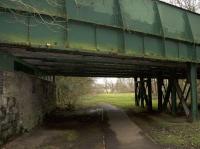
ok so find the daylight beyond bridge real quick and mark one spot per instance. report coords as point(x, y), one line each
point(118, 38)
point(142, 39)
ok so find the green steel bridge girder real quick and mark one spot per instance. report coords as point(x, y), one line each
point(135, 28)
point(11, 63)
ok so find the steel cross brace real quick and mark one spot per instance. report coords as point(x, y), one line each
point(167, 95)
point(182, 97)
point(143, 93)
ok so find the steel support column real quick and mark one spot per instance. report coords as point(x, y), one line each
point(166, 97)
point(193, 82)
point(159, 88)
point(136, 92)
point(142, 92)
point(173, 98)
point(149, 85)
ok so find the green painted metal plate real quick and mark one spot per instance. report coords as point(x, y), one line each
point(96, 11)
point(134, 44)
point(13, 29)
point(194, 21)
point(81, 36)
point(140, 15)
point(109, 40)
point(174, 22)
point(46, 34)
point(198, 53)
point(145, 28)
point(172, 49)
point(153, 46)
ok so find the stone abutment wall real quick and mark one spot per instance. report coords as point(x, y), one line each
point(24, 102)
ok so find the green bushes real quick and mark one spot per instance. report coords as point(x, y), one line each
point(69, 90)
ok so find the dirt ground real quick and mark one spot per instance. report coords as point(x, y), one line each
point(63, 131)
point(173, 132)
point(100, 128)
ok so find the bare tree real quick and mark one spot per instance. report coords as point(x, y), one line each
point(70, 89)
point(106, 85)
point(109, 86)
point(130, 84)
point(192, 5)
point(36, 13)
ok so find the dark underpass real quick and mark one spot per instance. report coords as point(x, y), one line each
point(141, 39)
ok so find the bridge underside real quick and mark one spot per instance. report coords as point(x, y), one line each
point(143, 39)
point(84, 64)
point(46, 62)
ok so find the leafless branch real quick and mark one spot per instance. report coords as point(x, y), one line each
point(192, 5)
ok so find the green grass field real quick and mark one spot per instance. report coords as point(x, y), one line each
point(121, 100)
point(165, 129)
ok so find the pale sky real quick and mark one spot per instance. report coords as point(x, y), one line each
point(102, 80)
point(165, 0)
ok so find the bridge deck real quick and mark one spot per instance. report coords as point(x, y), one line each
point(72, 63)
point(108, 38)
point(135, 28)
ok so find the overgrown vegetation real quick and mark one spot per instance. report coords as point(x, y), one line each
point(70, 89)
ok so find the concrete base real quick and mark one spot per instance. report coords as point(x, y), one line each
point(24, 101)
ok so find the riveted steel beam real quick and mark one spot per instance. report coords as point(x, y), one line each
point(173, 98)
point(149, 86)
point(160, 94)
point(193, 82)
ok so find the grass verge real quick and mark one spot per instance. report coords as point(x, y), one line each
point(167, 130)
